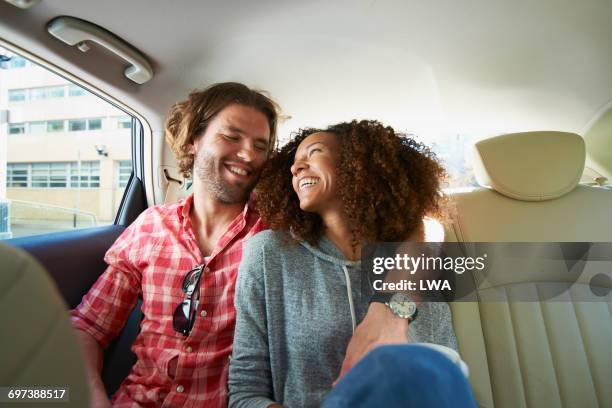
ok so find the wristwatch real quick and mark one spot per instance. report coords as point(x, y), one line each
point(400, 304)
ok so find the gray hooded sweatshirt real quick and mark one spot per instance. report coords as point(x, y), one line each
point(297, 307)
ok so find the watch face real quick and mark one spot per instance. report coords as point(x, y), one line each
point(402, 306)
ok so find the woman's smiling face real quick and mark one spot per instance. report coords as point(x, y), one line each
point(314, 171)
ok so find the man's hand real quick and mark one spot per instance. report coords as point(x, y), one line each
point(99, 399)
point(379, 327)
point(93, 356)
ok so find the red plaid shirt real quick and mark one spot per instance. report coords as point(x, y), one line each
point(150, 259)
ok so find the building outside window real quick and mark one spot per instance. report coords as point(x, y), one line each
point(89, 176)
point(58, 175)
point(75, 90)
point(38, 93)
point(94, 124)
point(55, 92)
point(124, 172)
point(124, 123)
point(54, 174)
point(17, 175)
point(17, 95)
point(45, 92)
point(55, 126)
point(38, 127)
point(76, 125)
point(45, 175)
point(48, 92)
point(16, 128)
point(40, 175)
point(16, 62)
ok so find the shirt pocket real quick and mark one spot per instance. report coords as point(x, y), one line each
point(162, 291)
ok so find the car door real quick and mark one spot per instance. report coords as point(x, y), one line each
point(74, 181)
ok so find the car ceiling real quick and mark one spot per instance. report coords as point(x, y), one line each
point(431, 67)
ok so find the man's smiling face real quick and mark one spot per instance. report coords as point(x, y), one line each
point(230, 155)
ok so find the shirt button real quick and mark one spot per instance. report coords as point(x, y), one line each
point(206, 270)
point(180, 389)
point(189, 349)
point(203, 313)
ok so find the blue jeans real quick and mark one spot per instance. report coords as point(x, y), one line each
point(406, 375)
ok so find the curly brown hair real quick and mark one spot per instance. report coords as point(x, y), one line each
point(387, 183)
point(188, 119)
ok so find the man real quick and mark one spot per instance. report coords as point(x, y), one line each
point(182, 259)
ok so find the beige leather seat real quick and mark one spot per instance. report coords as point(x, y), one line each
point(38, 347)
point(546, 353)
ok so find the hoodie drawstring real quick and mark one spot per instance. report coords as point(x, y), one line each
point(349, 292)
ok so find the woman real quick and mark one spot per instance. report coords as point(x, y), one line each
point(300, 291)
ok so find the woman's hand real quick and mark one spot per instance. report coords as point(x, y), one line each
point(379, 327)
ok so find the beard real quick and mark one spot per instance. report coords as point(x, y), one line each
point(208, 169)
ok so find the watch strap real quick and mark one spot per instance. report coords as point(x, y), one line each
point(381, 297)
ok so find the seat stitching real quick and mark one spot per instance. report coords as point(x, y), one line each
point(582, 342)
point(487, 359)
point(546, 320)
point(516, 346)
point(480, 317)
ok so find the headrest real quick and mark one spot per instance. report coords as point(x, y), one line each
point(530, 166)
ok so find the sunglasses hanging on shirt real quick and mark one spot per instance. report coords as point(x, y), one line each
point(185, 313)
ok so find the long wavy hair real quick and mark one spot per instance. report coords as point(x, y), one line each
point(387, 183)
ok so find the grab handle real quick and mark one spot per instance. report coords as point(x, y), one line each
point(74, 31)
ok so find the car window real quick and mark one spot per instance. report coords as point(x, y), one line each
point(65, 153)
point(453, 153)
